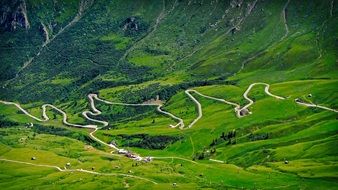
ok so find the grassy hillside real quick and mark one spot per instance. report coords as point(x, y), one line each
point(58, 52)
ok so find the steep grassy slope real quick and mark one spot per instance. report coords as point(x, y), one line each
point(130, 43)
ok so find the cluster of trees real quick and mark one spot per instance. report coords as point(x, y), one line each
point(148, 142)
point(229, 136)
point(256, 137)
point(226, 137)
point(206, 153)
point(154, 51)
point(7, 123)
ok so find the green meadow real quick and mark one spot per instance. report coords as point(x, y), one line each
point(136, 51)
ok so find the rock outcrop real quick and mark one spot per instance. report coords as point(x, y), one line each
point(45, 33)
point(14, 15)
point(130, 23)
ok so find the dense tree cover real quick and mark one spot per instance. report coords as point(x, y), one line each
point(147, 141)
point(256, 137)
point(204, 154)
point(229, 137)
point(7, 123)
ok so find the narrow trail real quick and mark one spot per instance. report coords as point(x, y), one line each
point(251, 7)
point(283, 15)
point(218, 161)
point(331, 8)
point(236, 26)
point(259, 53)
point(193, 146)
point(316, 106)
point(159, 19)
point(322, 30)
point(215, 24)
point(174, 157)
point(287, 31)
point(245, 62)
point(78, 170)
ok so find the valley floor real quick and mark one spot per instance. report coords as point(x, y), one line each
point(282, 136)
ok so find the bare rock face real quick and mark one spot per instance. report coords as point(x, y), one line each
point(236, 3)
point(130, 24)
point(133, 26)
point(84, 4)
point(45, 33)
point(13, 15)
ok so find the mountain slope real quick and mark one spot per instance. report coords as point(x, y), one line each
point(220, 93)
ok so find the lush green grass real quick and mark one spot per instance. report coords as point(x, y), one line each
point(298, 134)
point(120, 42)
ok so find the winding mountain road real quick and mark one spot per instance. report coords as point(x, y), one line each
point(91, 134)
point(237, 108)
point(96, 112)
point(45, 116)
point(180, 122)
point(199, 108)
point(245, 95)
